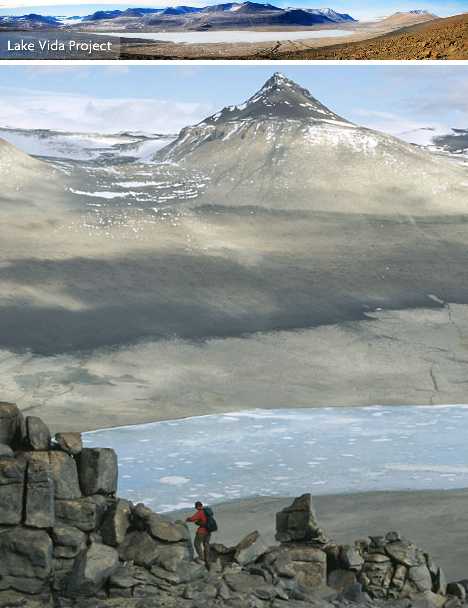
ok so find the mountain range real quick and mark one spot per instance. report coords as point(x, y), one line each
point(233, 13)
point(324, 15)
point(274, 253)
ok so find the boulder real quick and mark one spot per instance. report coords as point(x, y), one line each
point(103, 505)
point(70, 443)
point(399, 578)
point(68, 541)
point(405, 553)
point(250, 549)
point(123, 577)
point(141, 514)
point(168, 531)
point(39, 505)
point(65, 476)
point(355, 594)
point(6, 451)
point(309, 564)
point(377, 542)
point(37, 433)
point(393, 537)
point(171, 555)
point(92, 569)
point(420, 577)
point(283, 566)
point(297, 522)
point(457, 590)
point(223, 591)
point(81, 513)
point(464, 583)
point(341, 580)
point(11, 425)
point(62, 569)
point(351, 558)
point(429, 599)
point(437, 574)
point(98, 471)
point(244, 583)
point(376, 575)
point(12, 473)
point(116, 523)
point(185, 573)
point(221, 556)
point(25, 559)
point(139, 547)
point(334, 561)
point(128, 577)
point(453, 602)
point(16, 599)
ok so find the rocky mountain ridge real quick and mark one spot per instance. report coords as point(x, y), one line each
point(282, 140)
point(232, 14)
point(279, 98)
point(323, 15)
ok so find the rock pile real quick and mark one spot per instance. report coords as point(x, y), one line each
point(67, 540)
point(388, 567)
point(379, 567)
point(64, 533)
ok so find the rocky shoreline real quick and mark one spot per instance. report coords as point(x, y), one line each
point(67, 540)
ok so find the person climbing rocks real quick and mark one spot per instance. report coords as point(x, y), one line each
point(204, 519)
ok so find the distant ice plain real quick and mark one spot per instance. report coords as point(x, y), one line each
point(228, 36)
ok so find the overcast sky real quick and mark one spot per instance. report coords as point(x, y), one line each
point(394, 99)
point(360, 9)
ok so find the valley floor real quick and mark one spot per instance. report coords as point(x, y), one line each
point(411, 357)
point(436, 521)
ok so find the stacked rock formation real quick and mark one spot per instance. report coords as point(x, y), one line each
point(380, 567)
point(390, 567)
point(63, 532)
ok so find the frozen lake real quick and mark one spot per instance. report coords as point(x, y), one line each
point(287, 452)
point(229, 36)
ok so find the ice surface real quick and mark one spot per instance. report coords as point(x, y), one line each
point(229, 36)
point(291, 452)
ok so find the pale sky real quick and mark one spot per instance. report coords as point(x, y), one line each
point(403, 100)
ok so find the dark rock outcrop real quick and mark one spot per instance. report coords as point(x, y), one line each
point(298, 522)
point(12, 474)
point(39, 488)
point(98, 471)
point(37, 434)
point(12, 426)
point(69, 442)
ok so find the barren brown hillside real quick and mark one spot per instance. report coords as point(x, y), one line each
point(439, 39)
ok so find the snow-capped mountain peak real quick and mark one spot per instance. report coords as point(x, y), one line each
point(278, 98)
point(328, 13)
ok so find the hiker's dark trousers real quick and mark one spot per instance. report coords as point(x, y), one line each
point(202, 547)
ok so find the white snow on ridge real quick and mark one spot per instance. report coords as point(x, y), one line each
point(84, 146)
point(358, 140)
point(104, 194)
